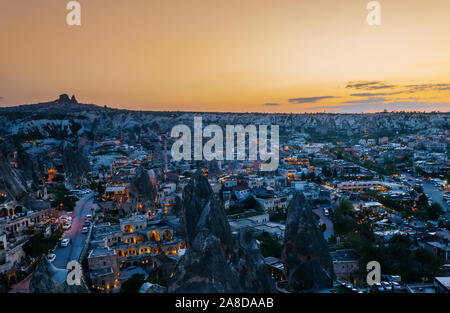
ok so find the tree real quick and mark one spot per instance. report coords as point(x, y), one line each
point(326, 171)
point(133, 284)
point(434, 211)
point(343, 222)
point(251, 203)
point(38, 244)
point(270, 246)
point(345, 206)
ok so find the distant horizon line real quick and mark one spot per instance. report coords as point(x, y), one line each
point(224, 112)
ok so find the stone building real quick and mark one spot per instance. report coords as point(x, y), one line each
point(134, 241)
point(346, 265)
point(103, 268)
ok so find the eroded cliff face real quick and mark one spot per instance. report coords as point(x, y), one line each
point(75, 163)
point(204, 268)
point(31, 167)
point(216, 260)
point(202, 211)
point(11, 181)
point(248, 263)
point(142, 186)
point(305, 255)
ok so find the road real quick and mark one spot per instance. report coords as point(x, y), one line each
point(66, 254)
point(436, 194)
point(328, 223)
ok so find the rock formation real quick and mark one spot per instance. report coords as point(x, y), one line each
point(47, 278)
point(75, 163)
point(64, 99)
point(31, 167)
point(201, 210)
point(142, 186)
point(215, 260)
point(152, 288)
point(305, 255)
point(204, 268)
point(11, 181)
point(248, 262)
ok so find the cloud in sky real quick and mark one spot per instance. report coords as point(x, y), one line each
point(379, 95)
point(422, 87)
point(366, 101)
point(310, 99)
point(374, 85)
point(369, 85)
point(378, 105)
point(373, 94)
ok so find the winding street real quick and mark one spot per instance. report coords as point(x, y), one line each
point(66, 254)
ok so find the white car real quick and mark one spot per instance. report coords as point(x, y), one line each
point(51, 257)
point(65, 242)
point(387, 286)
point(65, 218)
point(85, 230)
point(379, 287)
point(67, 226)
point(89, 216)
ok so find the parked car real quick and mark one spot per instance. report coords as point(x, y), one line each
point(65, 218)
point(85, 230)
point(67, 226)
point(396, 285)
point(326, 212)
point(65, 242)
point(51, 257)
point(87, 224)
point(379, 287)
point(387, 286)
point(89, 216)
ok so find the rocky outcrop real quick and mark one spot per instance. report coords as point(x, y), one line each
point(11, 181)
point(75, 163)
point(31, 167)
point(204, 268)
point(201, 210)
point(248, 263)
point(64, 99)
point(47, 278)
point(305, 255)
point(216, 260)
point(152, 288)
point(142, 186)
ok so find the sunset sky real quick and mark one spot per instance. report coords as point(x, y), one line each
point(228, 55)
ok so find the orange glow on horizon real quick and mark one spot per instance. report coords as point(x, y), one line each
point(243, 56)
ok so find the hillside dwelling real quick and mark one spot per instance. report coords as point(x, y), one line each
point(242, 192)
point(117, 193)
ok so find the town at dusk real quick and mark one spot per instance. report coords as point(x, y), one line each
point(217, 155)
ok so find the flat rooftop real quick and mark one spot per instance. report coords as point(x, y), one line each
point(99, 252)
point(444, 282)
point(344, 255)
